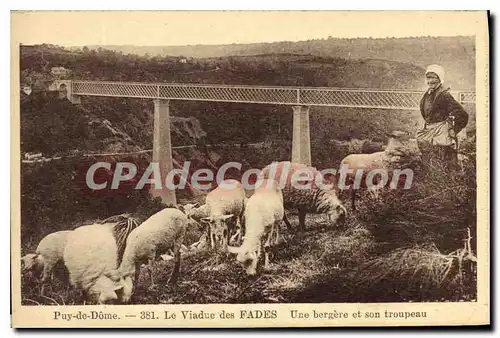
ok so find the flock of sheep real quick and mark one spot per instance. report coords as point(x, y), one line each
point(105, 259)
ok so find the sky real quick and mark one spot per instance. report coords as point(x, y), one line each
point(148, 28)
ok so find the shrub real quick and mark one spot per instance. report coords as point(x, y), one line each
point(428, 230)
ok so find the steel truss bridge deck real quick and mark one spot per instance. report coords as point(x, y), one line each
point(308, 96)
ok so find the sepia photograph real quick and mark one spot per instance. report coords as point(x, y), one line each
point(206, 168)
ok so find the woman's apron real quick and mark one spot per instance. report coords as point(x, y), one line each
point(436, 134)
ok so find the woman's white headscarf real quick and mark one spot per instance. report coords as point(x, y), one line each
point(436, 69)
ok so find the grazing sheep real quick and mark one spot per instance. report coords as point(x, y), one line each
point(222, 205)
point(49, 252)
point(401, 152)
point(162, 231)
point(316, 199)
point(264, 213)
point(91, 255)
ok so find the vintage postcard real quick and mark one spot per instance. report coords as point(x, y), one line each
point(190, 169)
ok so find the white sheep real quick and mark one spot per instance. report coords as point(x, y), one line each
point(401, 152)
point(221, 206)
point(91, 256)
point(48, 253)
point(162, 231)
point(315, 199)
point(264, 213)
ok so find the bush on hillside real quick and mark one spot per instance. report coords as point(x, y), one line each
point(429, 232)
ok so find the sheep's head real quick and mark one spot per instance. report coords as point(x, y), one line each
point(337, 216)
point(29, 262)
point(189, 208)
point(248, 259)
point(337, 212)
point(105, 289)
point(218, 225)
point(126, 277)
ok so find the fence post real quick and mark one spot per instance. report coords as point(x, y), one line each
point(162, 149)
point(301, 140)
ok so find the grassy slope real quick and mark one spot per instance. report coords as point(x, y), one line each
point(298, 264)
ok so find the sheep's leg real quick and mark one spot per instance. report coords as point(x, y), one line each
point(177, 259)
point(149, 267)
point(277, 235)
point(257, 260)
point(353, 198)
point(177, 268)
point(226, 236)
point(48, 267)
point(267, 245)
point(242, 227)
point(137, 273)
point(266, 258)
point(236, 236)
point(211, 236)
point(287, 222)
point(266, 255)
point(235, 226)
point(302, 220)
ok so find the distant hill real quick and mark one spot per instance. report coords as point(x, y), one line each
point(456, 54)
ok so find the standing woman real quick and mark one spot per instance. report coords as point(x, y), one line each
point(443, 118)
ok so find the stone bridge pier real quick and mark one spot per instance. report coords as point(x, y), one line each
point(162, 150)
point(301, 139)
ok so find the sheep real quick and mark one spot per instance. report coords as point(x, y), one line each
point(264, 213)
point(91, 256)
point(221, 205)
point(316, 199)
point(401, 152)
point(162, 231)
point(48, 253)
